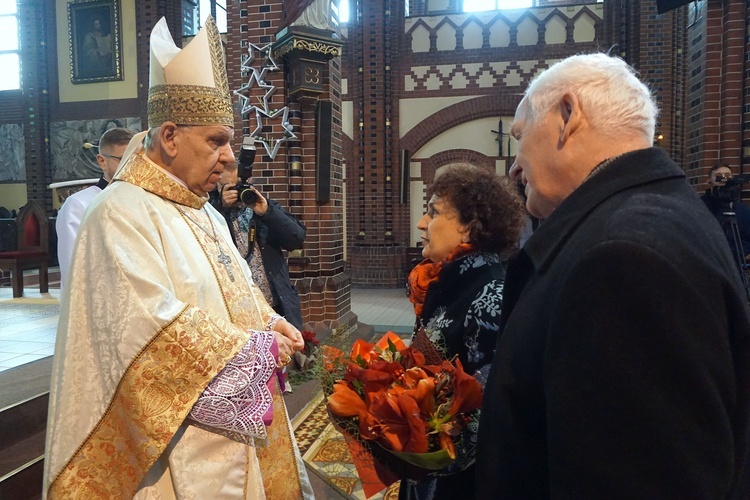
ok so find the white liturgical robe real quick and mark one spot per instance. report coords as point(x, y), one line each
point(149, 316)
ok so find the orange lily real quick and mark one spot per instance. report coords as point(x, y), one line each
point(411, 358)
point(400, 424)
point(467, 392)
point(446, 443)
point(412, 376)
point(362, 349)
point(393, 338)
point(402, 403)
point(379, 372)
point(424, 395)
point(331, 357)
point(345, 402)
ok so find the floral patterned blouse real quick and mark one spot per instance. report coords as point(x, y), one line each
point(461, 312)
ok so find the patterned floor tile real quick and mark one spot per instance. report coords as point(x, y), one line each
point(324, 450)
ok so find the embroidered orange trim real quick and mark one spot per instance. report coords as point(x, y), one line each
point(277, 460)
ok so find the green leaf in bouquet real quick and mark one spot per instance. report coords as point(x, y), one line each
point(361, 361)
point(435, 460)
point(392, 347)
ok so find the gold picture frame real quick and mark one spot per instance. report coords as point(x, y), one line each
point(95, 40)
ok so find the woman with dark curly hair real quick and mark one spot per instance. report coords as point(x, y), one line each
point(473, 216)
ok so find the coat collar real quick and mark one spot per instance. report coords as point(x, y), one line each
point(638, 168)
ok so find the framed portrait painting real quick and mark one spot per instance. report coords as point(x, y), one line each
point(95, 41)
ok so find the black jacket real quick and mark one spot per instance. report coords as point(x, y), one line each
point(276, 230)
point(623, 366)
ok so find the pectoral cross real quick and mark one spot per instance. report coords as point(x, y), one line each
point(224, 259)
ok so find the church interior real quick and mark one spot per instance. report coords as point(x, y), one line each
point(353, 106)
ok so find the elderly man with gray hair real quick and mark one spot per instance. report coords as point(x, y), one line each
point(166, 380)
point(623, 365)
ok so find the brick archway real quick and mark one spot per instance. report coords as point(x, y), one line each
point(434, 162)
point(456, 114)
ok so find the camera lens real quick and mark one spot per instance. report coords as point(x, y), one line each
point(248, 196)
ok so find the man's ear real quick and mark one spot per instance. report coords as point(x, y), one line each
point(168, 138)
point(100, 160)
point(571, 116)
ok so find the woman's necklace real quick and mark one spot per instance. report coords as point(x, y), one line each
point(222, 257)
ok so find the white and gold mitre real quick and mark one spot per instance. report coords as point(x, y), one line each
point(188, 86)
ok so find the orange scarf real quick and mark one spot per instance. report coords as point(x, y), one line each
point(426, 272)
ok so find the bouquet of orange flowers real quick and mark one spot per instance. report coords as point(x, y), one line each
point(407, 414)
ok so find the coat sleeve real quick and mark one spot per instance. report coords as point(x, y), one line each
point(639, 380)
point(283, 228)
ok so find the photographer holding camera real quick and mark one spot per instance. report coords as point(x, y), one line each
point(723, 200)
point(261, 229)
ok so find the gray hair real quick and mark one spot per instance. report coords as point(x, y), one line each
point(150, 139)
point(612, 96)
point(153, 133)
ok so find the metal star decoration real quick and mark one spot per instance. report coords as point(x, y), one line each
point(257, 77)
point(271, 144)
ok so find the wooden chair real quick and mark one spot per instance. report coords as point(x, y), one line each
point(33, 251)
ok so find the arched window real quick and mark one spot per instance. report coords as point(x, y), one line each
point(10, 57)
point(343, 11)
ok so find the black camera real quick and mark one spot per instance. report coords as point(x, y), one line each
point(730, 191)
point(245, 172)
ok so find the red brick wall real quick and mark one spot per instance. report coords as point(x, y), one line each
point(289, 178)
point(715, 56)
point(377, 222)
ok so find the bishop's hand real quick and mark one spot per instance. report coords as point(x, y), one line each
point(290, 332)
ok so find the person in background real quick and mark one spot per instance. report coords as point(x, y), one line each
point(473, 216)
point(719, 200)
point(111, 147)
point(623, 366)
point(261, 232)
point(165, 381)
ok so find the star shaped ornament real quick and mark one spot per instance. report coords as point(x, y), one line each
point(272, 144)
point(257, 80)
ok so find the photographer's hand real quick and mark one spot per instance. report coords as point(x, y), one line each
point(229, 195)
point(261, 206)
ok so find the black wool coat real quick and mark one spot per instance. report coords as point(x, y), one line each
point(623, 366)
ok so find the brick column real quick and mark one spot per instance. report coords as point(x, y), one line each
point(35, 96)
point(378, 235)
point(317, 270)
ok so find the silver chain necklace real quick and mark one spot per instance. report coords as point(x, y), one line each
point(222, 257)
